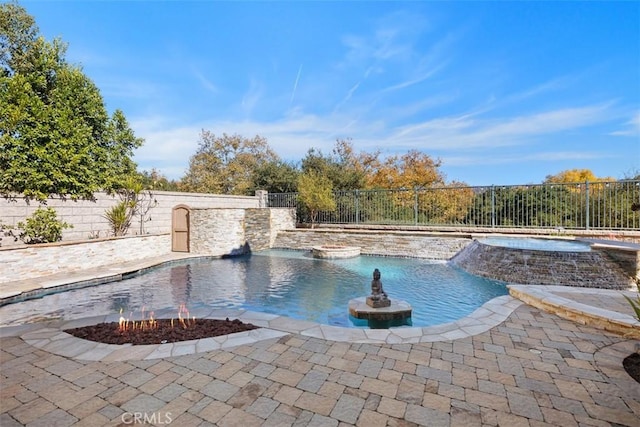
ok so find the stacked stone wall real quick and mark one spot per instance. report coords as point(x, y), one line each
point(219, 232)
point(257, 229)
point(586, 269)
point(27, 262)
point(627, 259)
point(87, 217)
point(390, 243)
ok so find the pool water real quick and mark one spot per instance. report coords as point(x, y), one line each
point(282, 282)
point(537, 244)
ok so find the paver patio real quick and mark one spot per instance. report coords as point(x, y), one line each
point(509, 365)
point(534, 369)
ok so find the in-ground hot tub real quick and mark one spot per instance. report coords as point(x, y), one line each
point(540, 261)
point(536, 244)
point(335, 251)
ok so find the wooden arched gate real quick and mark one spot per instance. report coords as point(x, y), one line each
point(180, 228)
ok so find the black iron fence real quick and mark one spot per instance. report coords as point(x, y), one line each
point(587, 205)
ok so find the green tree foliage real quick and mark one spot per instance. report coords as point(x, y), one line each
point(226, 165)
point(42, 227)
point(276, 176)
point(55, 134)
point(315, 192)
point(343, 167)
point(154, 180)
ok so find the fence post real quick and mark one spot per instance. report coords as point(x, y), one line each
point(415, 205)
point(493, 206)
point(586, 188)
point(357, 206)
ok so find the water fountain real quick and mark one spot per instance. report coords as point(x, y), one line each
point(378, 309)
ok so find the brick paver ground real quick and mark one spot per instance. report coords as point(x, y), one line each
point(534, 369)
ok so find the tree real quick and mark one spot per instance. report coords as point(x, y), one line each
point(55, 134)
point(573, 176)
point(315, 192)
point(226, 164)
point(411, 170)
point(275, 177)
point(155, 180)
point(343, 168)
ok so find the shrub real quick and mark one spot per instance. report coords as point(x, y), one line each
point(42, 227)
point(119, 217)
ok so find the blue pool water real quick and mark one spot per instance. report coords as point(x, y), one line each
point(283, 282)
point(536, 244)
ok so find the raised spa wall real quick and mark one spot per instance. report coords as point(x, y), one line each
point(593, 269)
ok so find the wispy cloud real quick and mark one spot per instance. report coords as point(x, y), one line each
point(630, 128)
point(522, 158)
point(205, 82)
point(252, 96)
point(292, 135)
point(295, 85)
point(464, 132)
point(113, 87)
point(408, 83)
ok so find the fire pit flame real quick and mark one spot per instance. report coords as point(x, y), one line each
point(126, 324)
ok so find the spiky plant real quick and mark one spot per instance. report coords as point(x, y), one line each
point(635, 304)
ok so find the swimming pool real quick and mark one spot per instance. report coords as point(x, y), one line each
point(283, 282)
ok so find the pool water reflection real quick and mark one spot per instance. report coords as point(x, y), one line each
point(282, 282)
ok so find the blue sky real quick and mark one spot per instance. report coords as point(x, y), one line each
point(501, 92)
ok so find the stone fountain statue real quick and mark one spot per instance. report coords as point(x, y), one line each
point(378, 297)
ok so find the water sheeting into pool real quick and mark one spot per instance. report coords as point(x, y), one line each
point(536, 244)
point(282, 282)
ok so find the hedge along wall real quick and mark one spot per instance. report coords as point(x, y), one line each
point(88, 220)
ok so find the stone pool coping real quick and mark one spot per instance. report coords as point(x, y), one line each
point(564, 301)
point(50, 336)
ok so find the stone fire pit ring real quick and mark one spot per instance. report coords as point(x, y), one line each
point(335, 251)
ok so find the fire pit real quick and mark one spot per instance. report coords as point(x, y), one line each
point(150, 330)
point(335, 251)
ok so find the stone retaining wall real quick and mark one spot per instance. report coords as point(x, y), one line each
point(34, 261)
point(392, 243)
point(587, 269)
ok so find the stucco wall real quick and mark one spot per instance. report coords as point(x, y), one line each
point(88, 220)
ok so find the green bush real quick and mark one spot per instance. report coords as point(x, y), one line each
point(119, 217)
point(42, 227)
